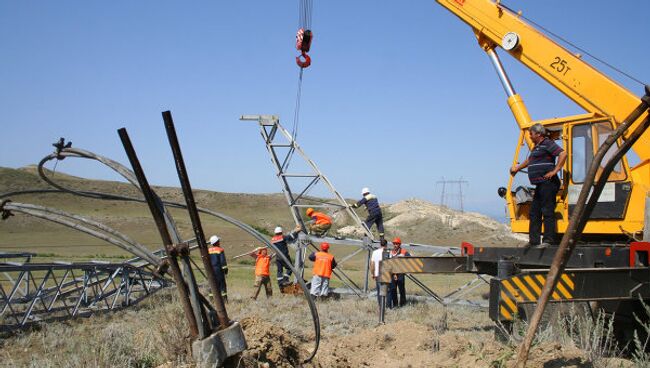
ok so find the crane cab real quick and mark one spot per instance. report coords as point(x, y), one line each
point(619, 211)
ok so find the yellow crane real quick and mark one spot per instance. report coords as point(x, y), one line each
point(620, 209)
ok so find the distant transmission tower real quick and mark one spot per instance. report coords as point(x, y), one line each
point(445, 195)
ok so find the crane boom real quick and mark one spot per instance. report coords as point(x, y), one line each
point(567, 72)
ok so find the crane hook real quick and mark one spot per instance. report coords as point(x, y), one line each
point(303, 63)
point(303, 44)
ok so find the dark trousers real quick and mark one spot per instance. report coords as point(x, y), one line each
point(543, 210)
point(395, 286)
point(221, 281)
point(283, 268)
point(378, 296)
point(376, 219)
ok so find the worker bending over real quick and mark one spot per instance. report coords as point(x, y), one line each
point(219, 264)
point(262, 271)
point(374, 211)
point(399, 280)
point(281, 242)
point(324, 263)
point(320, 223)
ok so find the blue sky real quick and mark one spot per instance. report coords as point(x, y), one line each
point(398, 95)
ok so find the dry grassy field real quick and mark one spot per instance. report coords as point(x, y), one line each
point(279, 332)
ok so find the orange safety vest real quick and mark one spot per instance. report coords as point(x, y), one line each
point(321, 218)
point(215, 250)
point(323, 264)
point(402, 253)
point(262, 265)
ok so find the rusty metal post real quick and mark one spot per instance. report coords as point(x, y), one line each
point(162, 229)
point(579, 218)
point(222, 315)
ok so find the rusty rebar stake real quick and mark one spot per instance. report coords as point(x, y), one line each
point(162, 229)
point(214, 283)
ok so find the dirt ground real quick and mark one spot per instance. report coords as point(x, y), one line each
point(399, 344)
point(421, 334)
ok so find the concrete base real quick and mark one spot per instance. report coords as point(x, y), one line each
point(216, 348)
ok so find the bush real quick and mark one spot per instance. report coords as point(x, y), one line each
point(640, 356)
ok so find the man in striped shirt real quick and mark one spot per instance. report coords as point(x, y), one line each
point(542, 172)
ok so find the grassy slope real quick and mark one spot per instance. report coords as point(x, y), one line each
point(30, 234)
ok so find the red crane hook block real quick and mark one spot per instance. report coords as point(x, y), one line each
point(303, 63)
point(303, 40)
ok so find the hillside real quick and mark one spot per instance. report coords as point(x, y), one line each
point(30, 234)
point(419, 221)
point(414, 220)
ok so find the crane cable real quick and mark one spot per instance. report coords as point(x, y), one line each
point(296, 113)
point(577, 47)
point(304, 37)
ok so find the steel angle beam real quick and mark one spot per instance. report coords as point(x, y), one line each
point(411, 265)
point(434, 249)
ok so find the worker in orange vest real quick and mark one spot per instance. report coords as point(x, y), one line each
point(324, 263)
point(399, 281)
point(262, 271)
point(320, 223)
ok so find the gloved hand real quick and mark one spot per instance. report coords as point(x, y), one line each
point(354, 205)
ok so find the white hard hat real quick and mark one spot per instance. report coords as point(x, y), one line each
point(365, 190)
point(278, 230)
point(214, 240)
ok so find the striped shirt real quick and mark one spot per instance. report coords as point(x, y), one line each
point(542, 160)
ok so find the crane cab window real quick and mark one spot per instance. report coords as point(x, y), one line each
point(555, 135)
point(586, 140)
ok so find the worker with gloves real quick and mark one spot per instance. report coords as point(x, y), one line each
point(320, 223)
point(262, 271)
point(374, 211)
point(324, 263)
point(399, 280)
point(281, 242)
point(219, 264)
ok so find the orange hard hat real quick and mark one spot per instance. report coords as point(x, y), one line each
point(397, 240)
point(324, 246)
point(310, 211)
